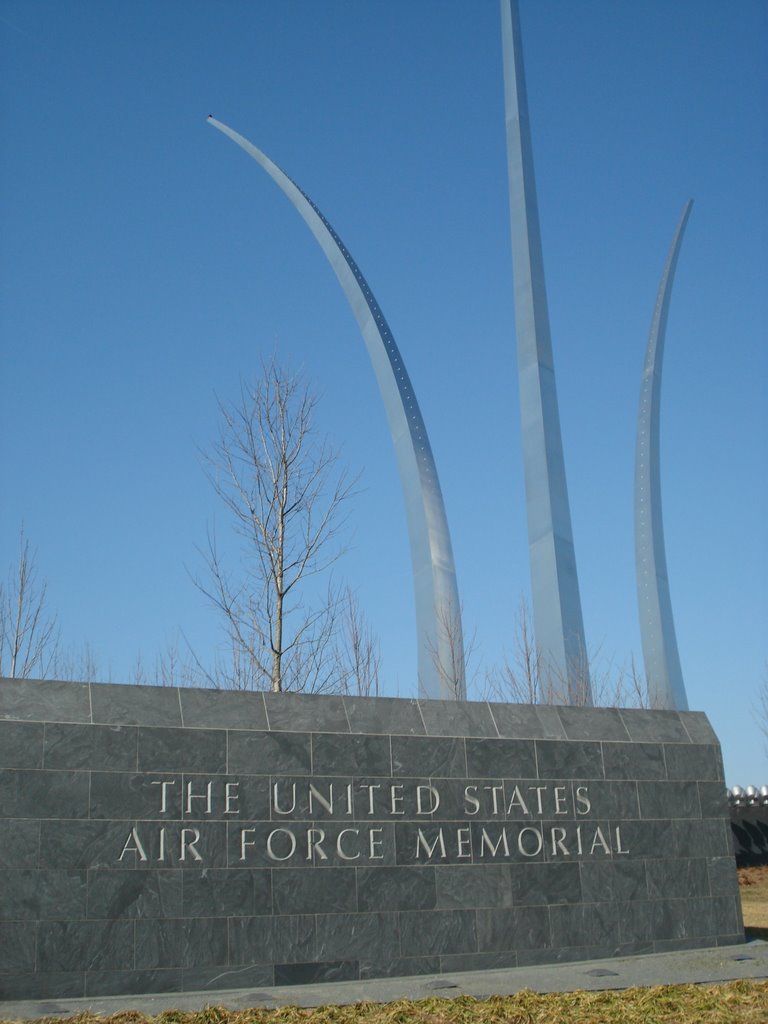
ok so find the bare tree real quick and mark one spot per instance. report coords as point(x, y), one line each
point(357, 651)
point(286, 498)
point(518, 679)
point(523, 678)
point(452, 653)
point(28, 634)
point(78, 664)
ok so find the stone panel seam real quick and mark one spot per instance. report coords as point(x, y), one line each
point(346, 716)
point(685, 727)
point(266, 713)
point(637, 796)
point(423, 720)
point(563, 729)
point(181, 709)
point(90, 702)
point(495, 724)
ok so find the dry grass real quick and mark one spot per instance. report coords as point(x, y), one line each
point(742, 1001)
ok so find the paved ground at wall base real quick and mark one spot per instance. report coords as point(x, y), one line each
point(699, 966)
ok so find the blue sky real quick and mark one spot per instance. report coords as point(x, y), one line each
point(146, 265)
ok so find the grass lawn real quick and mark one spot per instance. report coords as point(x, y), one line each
point(738, 1002)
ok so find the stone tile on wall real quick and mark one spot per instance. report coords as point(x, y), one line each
point(222, 709)
point(38, 895)
point(423, 757)
point(265, 753)
point(527, 721)
point(30, 700)
point(121, 704)
point(21, 744)
point(384, 716)
point(634, 761)
point(38, 794)
point(99, 747)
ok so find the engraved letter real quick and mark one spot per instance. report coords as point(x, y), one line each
point(231, 797)
point(471, 801)
point(344, 856)
point(248, 842)
point(582, 798)
point(370, 787)
point(199, 796)
point(375, 844)
point(560, 807)
point(435, 802)
point(558, 836)
point(429, 850)
point(286, 832)
point(162, 844)
point(538, 790)
point(494, 791)
point(485, 841)
point(517, 798)
point(617, 832)
point(395, 799)
point(275, 802)
point(315, 792)
point(313, 844)
point(190, 844)
point(164, 791)
point(464, 842)
point(599, 840)
point(539, 841)
point(133, 845)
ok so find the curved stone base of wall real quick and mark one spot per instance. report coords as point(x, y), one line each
point(165, 840)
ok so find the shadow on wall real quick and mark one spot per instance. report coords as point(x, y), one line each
point(749, 823)
point(750, 837)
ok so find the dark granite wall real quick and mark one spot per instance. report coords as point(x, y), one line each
point(171, 839)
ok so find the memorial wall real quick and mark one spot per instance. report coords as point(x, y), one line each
point(162, 839)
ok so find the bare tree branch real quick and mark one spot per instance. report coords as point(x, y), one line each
point(523, 678)
point(28, 634)
point(286, 500)
point(357, 653)
point(451, 653)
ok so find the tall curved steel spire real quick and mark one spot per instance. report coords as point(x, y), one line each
point(438, 610)
point(657, 627)
point(557, 618)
